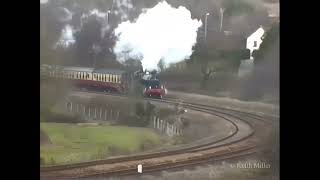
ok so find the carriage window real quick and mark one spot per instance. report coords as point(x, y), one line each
point(99, 77)
point(115, 78)
point(103, 77)
point(119, 79)
point(107, 77)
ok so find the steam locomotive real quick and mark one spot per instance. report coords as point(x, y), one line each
point(106, 80)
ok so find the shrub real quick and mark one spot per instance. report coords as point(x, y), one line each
point(42, 161)
point(52, 161)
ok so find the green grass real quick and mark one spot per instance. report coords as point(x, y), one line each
point(73, 143)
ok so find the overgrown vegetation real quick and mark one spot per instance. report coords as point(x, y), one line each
point(141, 116)
point(72, 143)
point(237, 7)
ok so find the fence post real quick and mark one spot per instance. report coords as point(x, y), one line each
point(95, 112)
point(118, 115)
point(100, 113)
point(89, 113)
point(157, 123)
point(106, 114)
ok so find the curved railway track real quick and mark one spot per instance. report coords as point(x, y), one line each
point(228, 147)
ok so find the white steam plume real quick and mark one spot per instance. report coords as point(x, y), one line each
point(123, 7)
point(66, 38)
point(162, 32)
point(66, 14)
point(44, 1)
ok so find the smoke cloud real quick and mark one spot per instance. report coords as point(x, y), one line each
point(162, 32)
point(102, 17)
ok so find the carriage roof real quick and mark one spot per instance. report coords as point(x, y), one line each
point(87, 69)
point(78, 69)
point(109, 71)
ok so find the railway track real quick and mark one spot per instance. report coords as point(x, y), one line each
point(228, 147)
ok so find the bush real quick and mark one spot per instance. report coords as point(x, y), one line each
point(52, 161)
point(63, 118)
point(42, 161)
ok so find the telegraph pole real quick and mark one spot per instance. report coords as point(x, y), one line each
point(221, 18)
point(205, 27)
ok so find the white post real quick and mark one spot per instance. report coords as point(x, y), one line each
point(71, 106)
point(111, 115)
point(106, 114)
point(77, 107)
point(139, 168)
point(95, 112)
